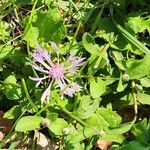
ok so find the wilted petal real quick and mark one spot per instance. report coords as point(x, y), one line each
point(46, 94)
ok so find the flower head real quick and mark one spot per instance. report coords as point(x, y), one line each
point(56, 71)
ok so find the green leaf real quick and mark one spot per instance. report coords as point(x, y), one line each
point(47, 26)
point(113, 137)
point(28, 123)
point(121, 85)
point(12, 90)
point(144, 98)
point(134, 145)
point(57, 126)
point(131, 38)
point(139, 68)
point(86, 107)
point(146, 138)
point(110, 116)
point(13, 113)
point(5, 51)
point(89, 44)
point(145, 82)
point(139, 129)
point(137, 24)
point(97, 87)
point(4, 34)
point(17, 56)
point(82, 134)
point(121, 128)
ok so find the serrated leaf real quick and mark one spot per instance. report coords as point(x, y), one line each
point(28, 123)
point(97, 87)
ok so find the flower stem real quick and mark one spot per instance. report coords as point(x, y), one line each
point(27, 94)
point(76, 118)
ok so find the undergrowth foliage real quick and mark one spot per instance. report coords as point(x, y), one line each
point(77, 72)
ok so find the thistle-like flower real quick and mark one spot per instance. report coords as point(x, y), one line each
point(56, 71)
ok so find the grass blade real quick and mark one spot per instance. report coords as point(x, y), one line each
point(131, 38)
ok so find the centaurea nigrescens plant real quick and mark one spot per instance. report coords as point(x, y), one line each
point(56, 71)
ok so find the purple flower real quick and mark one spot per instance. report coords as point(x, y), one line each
point(56, 72)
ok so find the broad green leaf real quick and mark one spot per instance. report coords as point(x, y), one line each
point(146, 138)
point(113, 137)
point(12, 90)
point(144, 98)
point(145, 82)
point(83, 134)
point(13, 113)
point(5, 51)
point(97, 87)
point(139, 129)
point(131, 38)
point(137, 24)
point(97, 121)
point(111, 117)
point(121, 128)
point(45, 26)
point(86, 107)
point(75, 146)
point(134, 145)
point(89, 44)
point(17, 57)
point(57, 126)
point(139, 68)
point(28, 123)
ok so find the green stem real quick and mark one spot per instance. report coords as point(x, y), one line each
point(75, 35)
point(135, 101)
point(75, 7)
point(72, 116)
point(30, 18)
point(44, 108)
point(76, 118)
point(27, 94)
